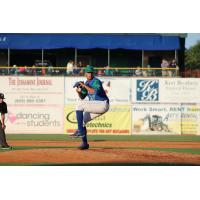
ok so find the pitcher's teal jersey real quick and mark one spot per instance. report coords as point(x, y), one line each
point(99, 92)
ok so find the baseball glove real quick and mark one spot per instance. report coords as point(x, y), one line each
point(77, 84)
point(83, 92)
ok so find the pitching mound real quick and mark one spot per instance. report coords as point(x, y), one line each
point(100, 153)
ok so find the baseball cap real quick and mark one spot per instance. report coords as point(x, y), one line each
point(2, 96)
point(89, 69)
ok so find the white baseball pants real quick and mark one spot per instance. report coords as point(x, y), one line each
point(92, 109)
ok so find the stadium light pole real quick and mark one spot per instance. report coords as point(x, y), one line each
point(109, 57)
point(176, 54)
point(142, 58)
point(42, 57)
point(8, 59)
point(75, 56)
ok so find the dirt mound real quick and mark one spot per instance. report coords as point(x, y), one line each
point(114, 144)
point(99, 153)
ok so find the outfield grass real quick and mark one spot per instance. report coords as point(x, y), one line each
point(60, 137)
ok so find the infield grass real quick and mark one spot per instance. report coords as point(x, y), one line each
point(64, 137)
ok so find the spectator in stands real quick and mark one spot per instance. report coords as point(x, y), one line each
point(14, 70)
point(144, 72)
point(173, 65)
point(116, 72)
point(107, 71)
point(33, 70)
point(3, 71)
point(56, 71)
point(99, 72)
point(22, 70)
point(50, 70)
point(150, 72)
point(164, 65)
point(43, 72)
point(138, 72)
point(75, 69)
point(80, 68)
point(70, 66)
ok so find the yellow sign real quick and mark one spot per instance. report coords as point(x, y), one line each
point(190, 122)
point(117, 121)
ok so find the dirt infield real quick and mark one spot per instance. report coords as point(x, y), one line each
point(114, 144)
point(101, 152)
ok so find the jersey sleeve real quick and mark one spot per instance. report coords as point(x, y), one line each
point(96, 86)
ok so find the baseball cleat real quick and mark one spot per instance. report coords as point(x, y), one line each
point(84, 147)
point(77, 134)
point(6, 147)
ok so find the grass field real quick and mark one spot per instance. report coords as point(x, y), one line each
point(65, 144)
point(58, 137)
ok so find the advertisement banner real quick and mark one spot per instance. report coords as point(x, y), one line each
point(117, 89)
point(165, 90)
point(47, 105)
point(151, 119)
point(190, 119)
point(35, 104)
point(32, 90)
point(117, 121)
point(35, 119)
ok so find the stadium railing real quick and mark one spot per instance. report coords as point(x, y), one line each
point(99, 71)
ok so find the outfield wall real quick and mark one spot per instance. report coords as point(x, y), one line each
point(147, 106)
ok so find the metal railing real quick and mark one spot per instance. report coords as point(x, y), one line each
point(99, 71)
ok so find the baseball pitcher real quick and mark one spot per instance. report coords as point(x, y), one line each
point(87, 110)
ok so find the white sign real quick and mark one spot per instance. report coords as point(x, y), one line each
point(32, 90)
point(30, 119)
point(35, 104)
point(151, 119)
point(166, 90)
point(118, 90)
point(71, 95)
